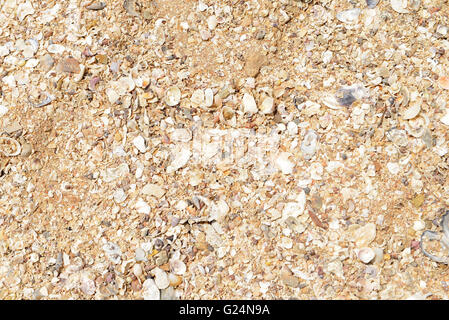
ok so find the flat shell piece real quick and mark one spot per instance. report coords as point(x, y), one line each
point(400, 6)
point(10, 147)
point(412, 111)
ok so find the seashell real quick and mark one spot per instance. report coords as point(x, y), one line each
point(78, 77)
point(438, 244)
point(412, 111)
point(56, 48)
point(372, 3)
point(142, 207)
point(174, 280)
point(417, 127)
point(93, 83)
point(415, 4)
point(173, 96)
point(197, 97)
point(442, 30)
point(348, 16)
point(161, 278)
point(23, 10)
point(139, 143)
point(319, 15)
point(178, 267)
point(366, 255)
point(130, 7)
point(212, 22)
point(445, 119)
point(181, 134)
point(7, 149)
point(208, 97)
point(137, 270)
point(112, 252)
point(267, 105)
point(443, 82)
point(398, 137)
point(309, 144)
point(112, 95)
point(126, 84)
point(330, 101)
point(150, 291)
point(249, 104)
point(284, 164)
point(400, 6)
point(227, 116)
point(96, 6)
point(404, 97)
point(419, 296)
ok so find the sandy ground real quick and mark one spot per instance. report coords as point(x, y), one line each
point(224, 149)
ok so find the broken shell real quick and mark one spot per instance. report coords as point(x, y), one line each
point(417, 127)
point(403, 99)
point(130, 7)
point(178, 267)
point(434, 241)
point(330, 101)
point(142, 207)
point(127, 84)
point(284, 164)
point(400, 6)
point(249, 104)
point(309, 144)
point(45, 102)
point(7, 149)
point(93, 83)
point(348, 16)
point(78, 77)
point(227, 116)
point(267, 105)
point(412, 111)
point(208, 97)
point(366, 255)
point(372, 3)
point(197, 97)
point(439, 242)
point(96, 6)
point(398, 137)
point(443, 82)
point(445, 226)
point(172, 96)
point(445, 119)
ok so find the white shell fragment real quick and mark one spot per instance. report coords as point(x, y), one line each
point(284, 164)
point(178, 267)
point(24, 9)
point(142, 207)
point(161, 278)
point(197, 97)
point(113, 252)
point(348, 16)
point(445, 119)
point(173, 96)
point(309, 144)
point(296, 207)
point(208, 97)
point(139, 143)
point(180, 158)
point(366, 255)
point(267, 105)
point(412, 111)
point(400, 6)
point(249, 104)
point(150, 290)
